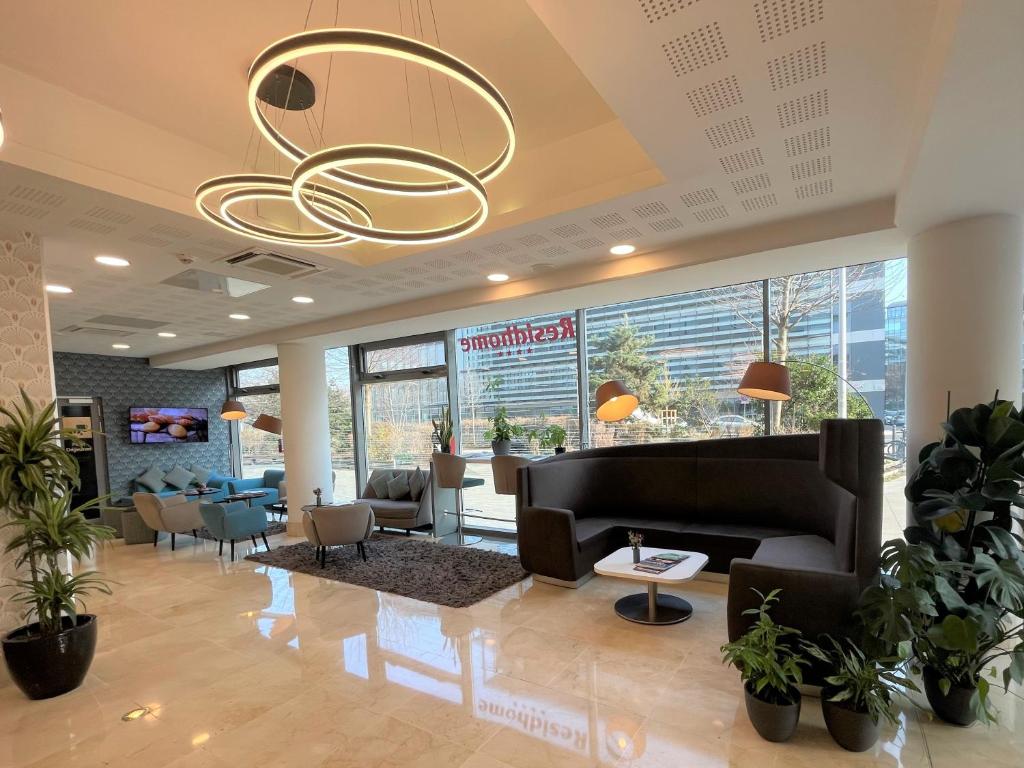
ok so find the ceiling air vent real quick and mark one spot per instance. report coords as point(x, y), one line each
point(274, 264)
point(81, 330)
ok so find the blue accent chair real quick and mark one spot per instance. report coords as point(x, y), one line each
point(267, 484)
point(235, 521)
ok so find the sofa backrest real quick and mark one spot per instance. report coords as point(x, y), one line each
point(369, 493)
point(272, 477)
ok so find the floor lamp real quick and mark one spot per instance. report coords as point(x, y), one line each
point(770, 381)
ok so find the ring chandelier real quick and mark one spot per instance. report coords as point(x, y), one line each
point(342, 218)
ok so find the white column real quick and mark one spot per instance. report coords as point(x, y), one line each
point(307, 437)
point(965, 284)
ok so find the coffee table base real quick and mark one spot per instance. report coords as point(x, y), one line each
point(653, 608)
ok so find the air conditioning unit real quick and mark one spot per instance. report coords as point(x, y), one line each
point(84, 330)
point(270, 263)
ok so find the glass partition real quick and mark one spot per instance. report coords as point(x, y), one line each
point(339, 419)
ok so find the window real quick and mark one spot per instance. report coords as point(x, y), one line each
point(339, 419)
point(402, 357)
point(682, 356)
point(398, 419)
point(259, 375)
point(259, 450)
point(529, 368)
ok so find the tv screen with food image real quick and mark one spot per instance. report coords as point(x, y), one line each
point(168, 425)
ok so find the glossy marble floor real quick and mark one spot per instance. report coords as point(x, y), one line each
point(243, 665)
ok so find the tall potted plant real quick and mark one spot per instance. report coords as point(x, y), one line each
point(444, 430)
point(954, 590)
point(502, 431)
point(51, 654)
point(770, 660)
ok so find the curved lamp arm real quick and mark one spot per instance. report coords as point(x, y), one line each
point(840, 378)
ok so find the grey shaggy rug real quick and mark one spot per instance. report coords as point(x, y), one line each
point(273, 527)
point(435, 573)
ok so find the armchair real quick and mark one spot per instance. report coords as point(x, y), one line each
point(335, 525)
point(235, 521)
point(268, 484)
point(174, 514)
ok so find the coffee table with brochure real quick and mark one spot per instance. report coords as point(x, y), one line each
point(246, 496)
point(651, 607)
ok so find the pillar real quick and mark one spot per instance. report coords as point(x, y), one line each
point(307, 437)
point(965, 285)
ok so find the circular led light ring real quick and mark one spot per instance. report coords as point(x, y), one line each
point(1, 128)
point(257, 183)
point(383, 44)
point(383, 154)
point(321, 195)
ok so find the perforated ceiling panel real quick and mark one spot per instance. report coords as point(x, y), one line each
point(656, 10)
point(776, 18)
point(647, 210)
point(730, 132)
point(715, 212)
point(568, 231)
point(814, 189)
point(695, 50)
point(665, 225)
point(797, 66)
point(715, 96)
point(803, 108)
point(750, 184)
point(811, 141)
point(608, 220)
point(808, 168)
point(704, 196)
point(106, 214)
point(742, 161)
point(759, 202)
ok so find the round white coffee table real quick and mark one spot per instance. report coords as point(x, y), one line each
point(652, 607)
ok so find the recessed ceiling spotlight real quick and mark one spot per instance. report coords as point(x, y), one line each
point(120, 346)
point(238, 316)
point(302, 299)
point(53, 288)
point(112, 261)
point(166, 335)
point(622, 250)
point(497, 277)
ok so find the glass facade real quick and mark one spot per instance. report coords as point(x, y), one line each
point(683, 355)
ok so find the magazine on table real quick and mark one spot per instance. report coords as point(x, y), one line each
point(660, 563)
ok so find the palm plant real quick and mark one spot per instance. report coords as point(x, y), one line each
point(37, 477)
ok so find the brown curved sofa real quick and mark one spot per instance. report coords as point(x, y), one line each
point(799, 512)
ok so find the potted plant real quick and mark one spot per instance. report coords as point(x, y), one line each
point(554, 436)
point(858, 693)
point(52, 654)
point(444, 430)
point(501, 432)
point(769, 659)
point(954, 590)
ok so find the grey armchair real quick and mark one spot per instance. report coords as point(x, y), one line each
point(174, 514)
point(336, 525)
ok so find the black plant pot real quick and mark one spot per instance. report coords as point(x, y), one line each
point(501, 447)
point(44, 667)
point(953, 707)
point(559, 449)
point(774, 722)
point(851, 729)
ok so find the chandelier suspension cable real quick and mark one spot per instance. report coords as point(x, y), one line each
point(430, 84)
point(448, 82)
point(405, 67)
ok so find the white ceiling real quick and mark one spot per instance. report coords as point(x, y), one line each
point(736, 117)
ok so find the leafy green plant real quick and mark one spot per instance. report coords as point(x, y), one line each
point(37, 477)
point(768, 656)
point(860, 682)
point(553, 436)
point(502, 428)
point(952, 594)
point(444, 428)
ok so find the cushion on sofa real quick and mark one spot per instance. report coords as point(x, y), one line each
point(379, 482)
point(417, 482)
point(385, 509)
point(179, 477)
point(202, 474)
point(797, 552)
point(153, 479)
point(398, 487)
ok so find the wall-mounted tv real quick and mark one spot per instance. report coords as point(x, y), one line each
point(168, 425)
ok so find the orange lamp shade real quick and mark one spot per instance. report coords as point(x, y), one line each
point(765, 381)
point(614, 401)
point(232, 410)
point(268, 423)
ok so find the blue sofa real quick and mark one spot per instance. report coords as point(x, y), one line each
point(216, 481)
point(268, 484)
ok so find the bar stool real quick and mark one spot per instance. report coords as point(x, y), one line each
point(506, 470)
point(449, 471)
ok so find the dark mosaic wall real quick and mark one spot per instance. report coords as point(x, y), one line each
point(123, 382)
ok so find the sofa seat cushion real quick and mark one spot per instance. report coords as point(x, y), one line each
point(798, 552)
point(388, 509)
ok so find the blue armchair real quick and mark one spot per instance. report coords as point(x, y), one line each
point(235, 521)
point(267, 484)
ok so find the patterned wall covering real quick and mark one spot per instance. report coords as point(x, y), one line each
point(123, 382)
point(24, 357)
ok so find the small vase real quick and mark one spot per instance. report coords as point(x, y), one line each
point(636, 554)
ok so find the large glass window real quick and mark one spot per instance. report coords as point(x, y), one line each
point(339, 419)
point(683, 356)
point(398, 421)
point(259, 450)
point(527, 369)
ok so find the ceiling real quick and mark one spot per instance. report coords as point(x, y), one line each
point(662, 123)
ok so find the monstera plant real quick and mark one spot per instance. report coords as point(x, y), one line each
point(952, 594)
